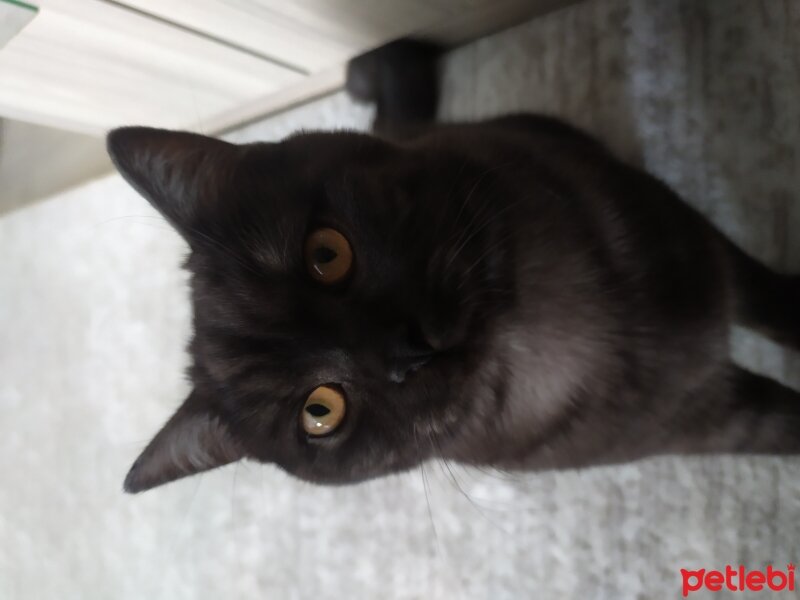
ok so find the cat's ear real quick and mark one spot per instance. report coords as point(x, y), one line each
point(178, 172)
point(192, 441)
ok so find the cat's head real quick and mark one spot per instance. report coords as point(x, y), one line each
point(335, 262)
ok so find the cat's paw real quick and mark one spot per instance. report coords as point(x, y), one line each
point(394, 66)
point(401, 79)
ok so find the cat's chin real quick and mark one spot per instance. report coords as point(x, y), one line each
point(342, 478)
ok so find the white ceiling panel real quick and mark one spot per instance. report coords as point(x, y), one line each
point(89, 65)
point(307, 34)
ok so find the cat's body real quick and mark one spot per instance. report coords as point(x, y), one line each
point(519, 299)
point(616, 343)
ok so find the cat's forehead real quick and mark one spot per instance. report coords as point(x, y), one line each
point(387, 200)
point(352, 179)
point(335, 149)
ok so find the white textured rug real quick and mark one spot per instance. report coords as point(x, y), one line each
point(93, 318)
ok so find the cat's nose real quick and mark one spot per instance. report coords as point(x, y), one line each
point(409, 353)
point(401, 366)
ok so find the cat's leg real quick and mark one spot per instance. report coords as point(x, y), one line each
point(745, 413)
point(402, 79)
point(766, 301)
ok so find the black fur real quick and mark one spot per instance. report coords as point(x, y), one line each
point(572, 309)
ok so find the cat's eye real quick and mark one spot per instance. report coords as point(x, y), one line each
point(328, 255)
point(323, 411)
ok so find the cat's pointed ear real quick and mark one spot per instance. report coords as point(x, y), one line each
point(192, 441)
point(178, 172)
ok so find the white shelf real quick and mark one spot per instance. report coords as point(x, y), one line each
point(90, 65)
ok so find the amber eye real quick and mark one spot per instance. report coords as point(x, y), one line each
point(329, 257)
point(323, 411)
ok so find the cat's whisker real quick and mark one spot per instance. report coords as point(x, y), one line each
point(450, 194)
point(227, 250)
point(459, 233)
point(425, 488)
point(486, 471)
point(483, 226)
point(445, 465)
point(158, 222)
point(486, 253)
point(471, 192)
point(480, 179)
point(461, 242)
point(471, 226)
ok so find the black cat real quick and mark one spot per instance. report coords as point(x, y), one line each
point(503, 293)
